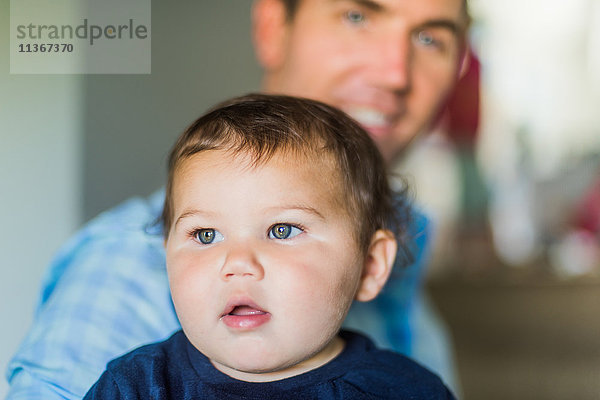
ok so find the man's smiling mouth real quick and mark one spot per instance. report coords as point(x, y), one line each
point(373, 120)
point(368, 116)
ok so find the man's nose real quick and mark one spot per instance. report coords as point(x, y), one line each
point(242, 262)
point(393, 63)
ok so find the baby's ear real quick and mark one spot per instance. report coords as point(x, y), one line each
point(378, 265)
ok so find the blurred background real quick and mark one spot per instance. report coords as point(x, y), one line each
point(511, 177)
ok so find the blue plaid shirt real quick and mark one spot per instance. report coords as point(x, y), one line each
point(107, 293)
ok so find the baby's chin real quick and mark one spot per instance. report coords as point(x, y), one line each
point(257, 371)
point(273, 367)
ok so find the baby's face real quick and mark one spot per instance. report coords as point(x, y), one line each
point(262, 262)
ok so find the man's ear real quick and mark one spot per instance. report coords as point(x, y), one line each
point(465, 60)
point(269, 27)
point(378, 265)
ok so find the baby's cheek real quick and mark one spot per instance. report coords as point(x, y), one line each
point(340, 298)
point(186, 290)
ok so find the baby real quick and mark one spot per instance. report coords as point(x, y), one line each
point(277, 216)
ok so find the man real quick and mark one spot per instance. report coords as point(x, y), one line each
point(389, 63)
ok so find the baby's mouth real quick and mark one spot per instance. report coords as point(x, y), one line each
point(245, 310)
point(242, 307)
point(244, 316)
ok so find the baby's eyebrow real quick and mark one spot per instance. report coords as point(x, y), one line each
point(193, 213)
point(299, 207)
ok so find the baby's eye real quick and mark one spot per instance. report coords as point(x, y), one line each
point(208, 236)
point(283, 231)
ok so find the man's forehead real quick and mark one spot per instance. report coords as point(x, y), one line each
point(423, 10)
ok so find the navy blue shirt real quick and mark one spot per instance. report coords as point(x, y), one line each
point(174, 369)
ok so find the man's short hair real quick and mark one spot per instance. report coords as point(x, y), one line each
point(292, 5)
point(261, 126)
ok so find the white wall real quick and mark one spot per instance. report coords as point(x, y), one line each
point(201, 54)
point(39, 185)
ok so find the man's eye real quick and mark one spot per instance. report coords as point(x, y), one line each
point(208, 236)
point(283, 231)
point(426, 39)
point(355, 17)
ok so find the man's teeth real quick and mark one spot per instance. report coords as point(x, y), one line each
point(368, 116)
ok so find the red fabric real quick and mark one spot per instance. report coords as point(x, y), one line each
point(588, 212)
point(463, 107)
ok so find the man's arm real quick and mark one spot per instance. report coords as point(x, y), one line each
point(106, 293)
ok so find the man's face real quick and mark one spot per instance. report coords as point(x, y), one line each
point(262, 262)
point(390, 64)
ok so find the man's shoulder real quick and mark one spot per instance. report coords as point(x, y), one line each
point(128, 233)
point(136, 214)
point(133, 223)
